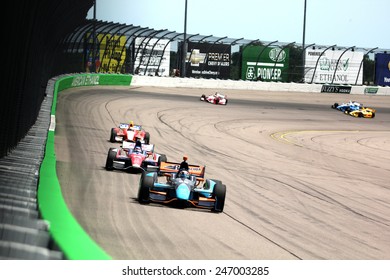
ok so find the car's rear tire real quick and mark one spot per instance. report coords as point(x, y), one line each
point(129, 166)
point(373, 115)
point(161, 158)
point(219, 195)
point(113, 135)
point(147, 138)
point(110, 159)
point(146, 183)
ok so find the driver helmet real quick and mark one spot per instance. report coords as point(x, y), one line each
point(184, 174)
point(131, 124)
point(137, 149)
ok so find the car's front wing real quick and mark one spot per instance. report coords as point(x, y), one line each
point(165, 193)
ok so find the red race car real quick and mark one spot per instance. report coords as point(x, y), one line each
point(216, 98)
point(129, 132)
point(134, 157)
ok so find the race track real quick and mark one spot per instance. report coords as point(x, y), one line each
point(303, 181)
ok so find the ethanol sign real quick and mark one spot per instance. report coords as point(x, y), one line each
point(264, 64)
point(334, 67)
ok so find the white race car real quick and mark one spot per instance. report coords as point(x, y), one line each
point(216, 98)
point(129, 132)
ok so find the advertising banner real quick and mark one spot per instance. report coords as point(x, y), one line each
point(110, 53)
point(208, 60)
point(265, 64)
point(336, 89)
point(382, 69)
point(333, 66)
point(153, 56)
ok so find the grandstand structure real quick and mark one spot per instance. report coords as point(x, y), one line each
point(99, 46)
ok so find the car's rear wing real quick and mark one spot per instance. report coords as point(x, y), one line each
point(123, 125)
point(131, 145)
point(127, 126)
point(171, 167)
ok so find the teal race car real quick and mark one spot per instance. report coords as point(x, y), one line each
point(185, 188)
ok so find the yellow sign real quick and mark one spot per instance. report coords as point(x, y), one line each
point(111, 52)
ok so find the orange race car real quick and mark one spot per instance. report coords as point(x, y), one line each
point(362, 112)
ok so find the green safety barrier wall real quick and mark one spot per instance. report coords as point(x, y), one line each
point(70, 237)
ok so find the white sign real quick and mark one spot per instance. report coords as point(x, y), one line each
point(334, 67)
point(154, 55)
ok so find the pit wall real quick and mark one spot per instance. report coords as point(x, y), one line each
point(245, 85)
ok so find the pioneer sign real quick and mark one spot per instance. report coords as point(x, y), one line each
point(265, 63)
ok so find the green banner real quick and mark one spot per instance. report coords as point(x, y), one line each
point(265, 64)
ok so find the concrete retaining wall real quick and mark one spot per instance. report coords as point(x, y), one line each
point(244, 85)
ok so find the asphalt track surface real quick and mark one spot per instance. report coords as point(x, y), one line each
point(303, 181)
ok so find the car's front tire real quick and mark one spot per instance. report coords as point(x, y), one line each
point(146, 183)
point(113, 135)
point(219, 195)
point(110, 159)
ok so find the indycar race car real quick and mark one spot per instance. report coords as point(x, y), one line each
point(133, 157)
point(129, 132)
point(216, 98)
point(185, 187)
point(362, 113)
point(355, 109)
point(348, 106)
